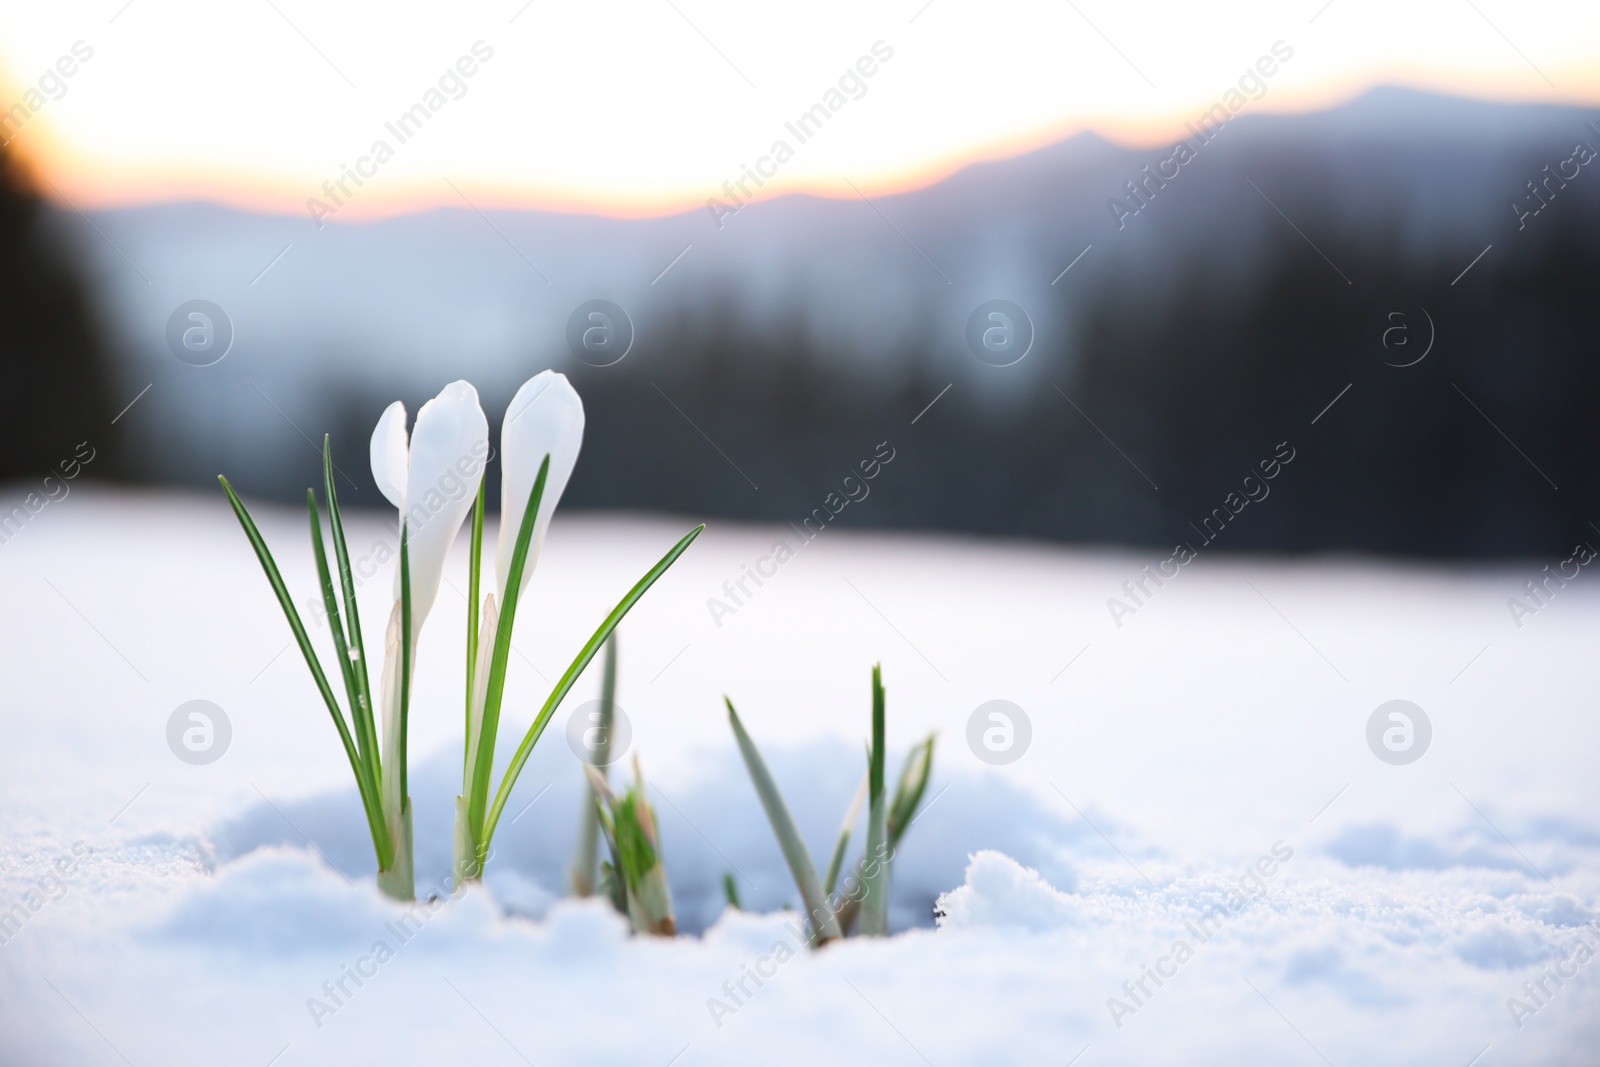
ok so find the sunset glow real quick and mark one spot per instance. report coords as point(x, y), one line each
point(656, 107)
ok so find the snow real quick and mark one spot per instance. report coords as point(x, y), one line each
point(1199, 775)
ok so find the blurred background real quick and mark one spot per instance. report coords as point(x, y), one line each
point(1363, 236)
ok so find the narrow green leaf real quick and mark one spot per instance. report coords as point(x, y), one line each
point(845, 829)
point(875, 902)
point(611, 884)
point(875, 768)
point(361, 711)
point(909, 790)
point(730, 889)
point(576, 668)
point(608, 704)
point(908, 797)
point(366, 750)
point(369, 799)
point(913, 784)
point(330, 604)
point(490, 727)
point(823, 922)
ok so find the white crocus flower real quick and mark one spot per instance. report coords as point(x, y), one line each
point(432, 478)
point(545, 419)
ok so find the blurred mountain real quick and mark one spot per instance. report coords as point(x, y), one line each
point(1256, 284)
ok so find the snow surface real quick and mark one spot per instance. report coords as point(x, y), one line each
point(1198, 775)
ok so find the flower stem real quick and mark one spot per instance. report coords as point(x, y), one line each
point(583, 867)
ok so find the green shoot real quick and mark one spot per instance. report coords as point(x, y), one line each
point(476, 817)
point(730, 890)
point(909, 790)
point(364, 759)
point(576, 668)
point(330, 604)
point(866, 889)
point(913, 784)
point(819, 913)
point(875, 901)
point(845, 829)
point(361, 703)
point(478, 799)
point(631, 832)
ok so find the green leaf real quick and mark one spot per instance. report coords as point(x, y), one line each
point(875, 902)
point(909, 790)
point(611, 883)
point(823, 922)
point(611, 887)
point(330, 604)
point(908, 797)
point(634, 845)
point(490, 727)
point(368, 753)
point(845, 830)
point(730, 889)
point(369, 799)
point(633, 833)
point(576, 668)
point(360, 710)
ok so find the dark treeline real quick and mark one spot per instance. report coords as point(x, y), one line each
point(1194, 390)
point(52, 361)
point(1484, 448)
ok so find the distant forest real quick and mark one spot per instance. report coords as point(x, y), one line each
point(52, 361)
point(1484, 448)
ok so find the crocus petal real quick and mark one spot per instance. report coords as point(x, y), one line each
point(545, 418)
point(389, 454)
point(449, 446)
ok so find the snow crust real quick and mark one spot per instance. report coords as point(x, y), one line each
point(1197, 777)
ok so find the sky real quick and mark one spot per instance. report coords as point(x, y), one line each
point(657, 106)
